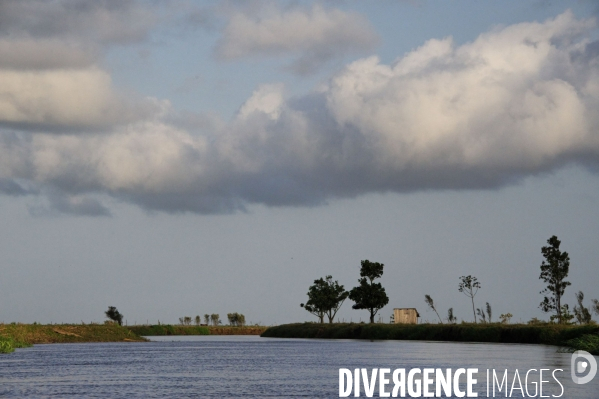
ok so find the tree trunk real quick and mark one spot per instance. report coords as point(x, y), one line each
point(371, 318)
point(473, 312)
point(558, 300)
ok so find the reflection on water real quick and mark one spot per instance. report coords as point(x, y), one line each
point(250, 366)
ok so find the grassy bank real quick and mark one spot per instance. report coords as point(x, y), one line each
point(66, 333)
point(167, 329)
point(8, 344)
point(550, 334)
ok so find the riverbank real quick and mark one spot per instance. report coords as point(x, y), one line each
point(549, 334)
point(16, 335)
point(67, 333)
point(167, 329)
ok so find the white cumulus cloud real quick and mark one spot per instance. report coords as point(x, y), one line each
point(516, 101)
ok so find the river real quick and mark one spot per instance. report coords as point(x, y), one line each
point(254, 367)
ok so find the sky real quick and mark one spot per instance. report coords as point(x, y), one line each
point(176, 158)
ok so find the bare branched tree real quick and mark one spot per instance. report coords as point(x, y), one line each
point(469, 286)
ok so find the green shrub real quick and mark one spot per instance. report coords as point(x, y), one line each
point(8, 345)
point(588, 342)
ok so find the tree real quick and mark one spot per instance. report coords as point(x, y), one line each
point(198, 320)
point(325, 297)
point(505, 318)
point(215, 318)
point(236, 319)
point(554, 270)
point(113, 314)
point(564, 315)
point(431, 304)
point(369, 295)
point(469, 286)
point(489, 311)
point(596, 306)
point(206, 319)
point(315, 310)
point(451, 319)
point(582, 313)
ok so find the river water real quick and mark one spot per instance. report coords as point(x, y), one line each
point(254, 367)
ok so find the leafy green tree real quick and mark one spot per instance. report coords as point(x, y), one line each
point(236, 319)
point(325, 297)
point(596, 306)
point(431, 304)
point(369, 295)
point(215, 319)
point(582, 313)
point(206, 318)
point(554, 270)
point(469, 286)
point(198, 320)
point(113, 314)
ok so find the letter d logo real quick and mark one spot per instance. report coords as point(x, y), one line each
point(579, 367)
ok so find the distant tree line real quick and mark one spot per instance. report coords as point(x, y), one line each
point(235, 319)
point(326, 296)
point(554, 270)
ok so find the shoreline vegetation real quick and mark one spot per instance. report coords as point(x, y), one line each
point(583, 337)
point(17, 335)
point(167, 329)
point(572, 337)
point(29, 334)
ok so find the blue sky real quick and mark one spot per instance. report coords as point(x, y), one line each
point(183, 157)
